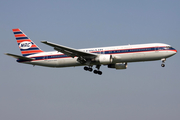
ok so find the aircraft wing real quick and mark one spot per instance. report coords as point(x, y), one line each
point(69, 51)
point(19, 57)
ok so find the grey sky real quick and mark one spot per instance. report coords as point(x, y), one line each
point(145, 91)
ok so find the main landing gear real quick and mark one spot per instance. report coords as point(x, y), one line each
point(163, 61)
point(98, 71)
point(88, 69)
point(95, 71)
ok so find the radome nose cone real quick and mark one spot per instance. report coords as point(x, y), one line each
point(175, 51)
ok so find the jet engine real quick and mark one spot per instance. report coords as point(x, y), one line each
point(104, 59)
point(118, 65)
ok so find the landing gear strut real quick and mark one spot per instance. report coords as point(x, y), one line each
point(81, 60)
point(163, 61)
point(98, 71)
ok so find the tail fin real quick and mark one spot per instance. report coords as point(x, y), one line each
point(26, 45)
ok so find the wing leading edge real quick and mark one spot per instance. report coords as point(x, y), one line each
point(70, 51)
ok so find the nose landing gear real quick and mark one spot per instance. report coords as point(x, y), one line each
point(162, 65)
point(163, 61)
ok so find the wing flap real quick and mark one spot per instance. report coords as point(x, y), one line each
point(19, 57)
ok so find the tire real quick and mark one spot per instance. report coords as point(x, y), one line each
point(86, 68)
point(162, 65)
point(90, 69)
point(99, 72)
point(95, 71)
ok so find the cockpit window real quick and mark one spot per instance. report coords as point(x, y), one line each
point(169, 47)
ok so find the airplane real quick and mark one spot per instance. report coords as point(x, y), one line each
point(115, 57)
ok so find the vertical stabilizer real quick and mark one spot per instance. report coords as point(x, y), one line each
point(26, 45)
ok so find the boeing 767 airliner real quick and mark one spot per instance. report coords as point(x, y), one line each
point(115, 57)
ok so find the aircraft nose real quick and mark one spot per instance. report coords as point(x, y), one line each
point(175, 51)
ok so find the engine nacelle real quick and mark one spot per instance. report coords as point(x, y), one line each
point(104, 59)
point(118, 65)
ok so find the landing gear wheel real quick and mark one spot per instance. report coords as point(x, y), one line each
point(99, 72)
point(163, 61)
point(90, 69)
point(95, 72)
point(162, 65)
point(86, 68)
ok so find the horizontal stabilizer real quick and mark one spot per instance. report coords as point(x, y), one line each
point(19, 57)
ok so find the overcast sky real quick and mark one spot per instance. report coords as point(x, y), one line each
point(144, 91)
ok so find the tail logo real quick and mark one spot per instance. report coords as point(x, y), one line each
point(25, 45)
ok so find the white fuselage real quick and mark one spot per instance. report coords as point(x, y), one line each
point(120, 54)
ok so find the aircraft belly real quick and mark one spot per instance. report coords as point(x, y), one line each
point(63, 62)
point(67, 62)
point(46, 63)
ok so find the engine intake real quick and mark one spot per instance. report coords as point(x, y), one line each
point(118, 65)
